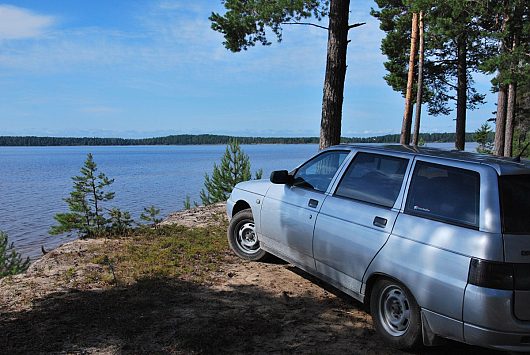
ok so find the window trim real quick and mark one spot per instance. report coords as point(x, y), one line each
point(401, 189)
point(411, 212)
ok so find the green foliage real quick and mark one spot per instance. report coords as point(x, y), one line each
point(258, 174)
point(520, 141)
point(187, 202)
point(445, 21)
point(483, 138)
point(234, 168)
point(512, 63)
point(11, 262)
point(120, 222)
point(150, 215)
point(183, 139)
point(246, 21)
point(86, 216)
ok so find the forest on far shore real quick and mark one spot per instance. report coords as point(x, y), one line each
point(189, 139)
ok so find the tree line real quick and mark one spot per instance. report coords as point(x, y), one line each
point(202, 139)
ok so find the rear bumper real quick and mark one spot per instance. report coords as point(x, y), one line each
point(496, 339)
point(489, 320)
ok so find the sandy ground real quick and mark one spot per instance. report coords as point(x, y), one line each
point(243, 307)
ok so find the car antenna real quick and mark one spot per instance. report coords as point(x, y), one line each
point(518, 157)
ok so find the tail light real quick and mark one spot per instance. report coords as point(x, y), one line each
point(502, 276)
point(491, 274)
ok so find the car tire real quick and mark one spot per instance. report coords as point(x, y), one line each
point(242, 237)
point(396, 314)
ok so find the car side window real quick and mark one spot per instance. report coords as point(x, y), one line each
point(444, 193)
point(317, 173)
point(373, 178)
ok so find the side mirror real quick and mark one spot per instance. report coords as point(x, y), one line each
point(281, 177)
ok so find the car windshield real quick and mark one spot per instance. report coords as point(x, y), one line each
point(515, 203)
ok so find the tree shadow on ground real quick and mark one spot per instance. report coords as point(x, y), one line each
point(448, 346)
point(176, 316)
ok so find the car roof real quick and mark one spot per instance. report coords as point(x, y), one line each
point(503, 166)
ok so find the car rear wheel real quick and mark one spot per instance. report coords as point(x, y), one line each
point(242, 237)
point(396, 314)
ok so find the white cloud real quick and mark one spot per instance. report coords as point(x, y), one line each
point(19, 23)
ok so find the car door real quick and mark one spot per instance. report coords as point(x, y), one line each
point(289, 212)
point(357, 219)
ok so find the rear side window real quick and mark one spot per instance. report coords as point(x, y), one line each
point(515, 203)
point(373, 178)
point(444, 194)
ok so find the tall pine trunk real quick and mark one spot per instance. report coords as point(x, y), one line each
point(416, 136)
point(502, 97)
point(512, 87)
point(407, 115)
point(330, 126)
point(500, 121)
point(461, 100)
point(510, 120)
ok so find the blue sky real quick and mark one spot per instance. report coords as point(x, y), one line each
point(133, 68)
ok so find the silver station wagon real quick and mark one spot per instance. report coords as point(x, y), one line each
point(437, 243)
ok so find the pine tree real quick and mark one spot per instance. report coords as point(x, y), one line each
point(454, 47)
point(11, 261)
point(233, 169)
point(482, 138)
point(246, 22)
point(509, 27)
point(150, 215)
point(85, 203)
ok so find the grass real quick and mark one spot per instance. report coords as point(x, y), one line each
point(169, 251)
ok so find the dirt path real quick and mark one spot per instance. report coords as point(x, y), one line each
point(243, 307)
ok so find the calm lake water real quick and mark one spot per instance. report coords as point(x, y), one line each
point(34, 180)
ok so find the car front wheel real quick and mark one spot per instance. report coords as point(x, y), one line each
point(396, 314)
point(242, 236)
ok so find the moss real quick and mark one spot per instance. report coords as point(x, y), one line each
point(69, 274)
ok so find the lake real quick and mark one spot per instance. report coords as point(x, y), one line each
point(35, 180)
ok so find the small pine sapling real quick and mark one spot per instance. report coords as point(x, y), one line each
point(120, 222)
point(150, 216)
point(85, 203)
point(482, 138)
point(233, 169)
point(11, 261)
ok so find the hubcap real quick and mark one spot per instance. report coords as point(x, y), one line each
point(247, 239)
point(394, 310)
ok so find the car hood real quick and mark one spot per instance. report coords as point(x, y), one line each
point(259, 187)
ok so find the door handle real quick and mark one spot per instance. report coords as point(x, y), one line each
point(312, 203)
point(380, 222)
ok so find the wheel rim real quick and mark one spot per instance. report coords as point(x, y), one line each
point(247, 240)
point(394, 310)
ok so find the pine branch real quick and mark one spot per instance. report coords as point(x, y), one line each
point(305, 24)
point(356, 25)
